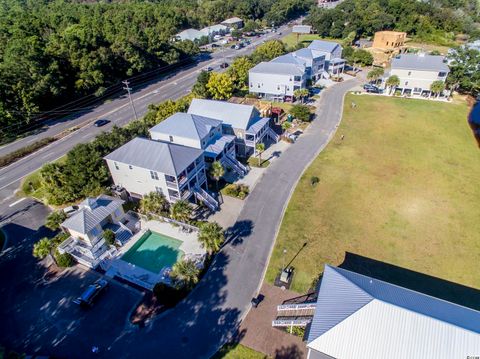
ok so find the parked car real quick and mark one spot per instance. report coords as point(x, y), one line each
point(209, 68)
point(224, 65)
point(90, 294)
point(100, 123)
point(371, 88)
point(232, 47)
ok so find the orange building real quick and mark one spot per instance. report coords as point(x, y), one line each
point(389, 40)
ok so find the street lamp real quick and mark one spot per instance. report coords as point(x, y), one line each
point(284, 252)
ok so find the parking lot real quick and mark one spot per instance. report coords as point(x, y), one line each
point(38, 314)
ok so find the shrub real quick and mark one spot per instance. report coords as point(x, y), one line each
point(109, 236)
point(314, 181)
point(24, 151)
point(237, 190)
point(64, 260)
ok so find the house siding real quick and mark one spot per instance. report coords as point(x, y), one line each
point(411, 79)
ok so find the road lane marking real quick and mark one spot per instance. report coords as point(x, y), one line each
point(17, 202)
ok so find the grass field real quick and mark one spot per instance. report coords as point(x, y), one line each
point(401, 187)
point(238, 351)
point(291, 39)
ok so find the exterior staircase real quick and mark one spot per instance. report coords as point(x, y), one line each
point(273, 135)
point(205, 197)
point(239, 168)
point(294, 315)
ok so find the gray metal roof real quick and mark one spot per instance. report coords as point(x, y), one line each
point(235, 115)
point(190, 34)
point(258, 125)
point(306, 53)
point(163, 157)
point(92, 212)
point(289, 59)
point(278, 68)
point(353, 311)
point(420, 62)
point(325, 46)
point(218, 144)
point(186, 125)
point(302, 29)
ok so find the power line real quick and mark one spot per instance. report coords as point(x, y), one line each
point(126, 83)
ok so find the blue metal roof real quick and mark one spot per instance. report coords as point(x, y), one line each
point(218, 144)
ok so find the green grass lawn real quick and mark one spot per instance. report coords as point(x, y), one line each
point(238, 351)
point(254, 161)
point(31, 185)
point(291, 39)
point(402, 187)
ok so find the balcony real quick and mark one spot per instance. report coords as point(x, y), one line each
point(171, 184)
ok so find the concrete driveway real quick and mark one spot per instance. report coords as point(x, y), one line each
point(37, 314)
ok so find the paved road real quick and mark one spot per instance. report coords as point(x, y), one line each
point(117, 111)
point(211, 314)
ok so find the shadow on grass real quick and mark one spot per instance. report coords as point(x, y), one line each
point(423, 283)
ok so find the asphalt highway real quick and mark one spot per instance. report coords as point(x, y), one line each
point(118, 112)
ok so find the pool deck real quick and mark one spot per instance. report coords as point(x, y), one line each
point(145, 278)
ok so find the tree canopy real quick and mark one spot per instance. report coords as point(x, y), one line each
point(436, 21)
point(52, 52)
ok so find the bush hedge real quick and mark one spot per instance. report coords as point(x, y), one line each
point(24, 151)
point(236, 190)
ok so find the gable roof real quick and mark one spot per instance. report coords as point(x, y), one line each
point(353, 311)
point(279, 68)
point(233, 114)
point(324, 46)
point(214, 28)
point(289, 59)
point(186, 125)
point(190, 34)
point(307, 53)
point(420, 62)
point(163, 157)
point(92, 212)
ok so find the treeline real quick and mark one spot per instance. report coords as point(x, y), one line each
point(432, 21)
point(52, 52)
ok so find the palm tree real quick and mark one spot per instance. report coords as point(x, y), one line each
point(42, 248)
point(437, 87)
point(55, 219)
point(211, 236)
point(260, 147)
point(153, 202)
point(217, 171)
point(185, 274)
point(181, 211)
point(392, 83)
point(301, 94)
point(375, 74)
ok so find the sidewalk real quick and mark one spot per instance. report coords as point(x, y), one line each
point(259, 333)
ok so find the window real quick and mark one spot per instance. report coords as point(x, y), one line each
point(158, 190)
point(116, 165)
point(442, 74)
point(130, 167)
point(291, 79)
point(278, 87)
point(171, 138)
point(154, 175)
point(258, 85)
point(298, 78)
point(417, 89)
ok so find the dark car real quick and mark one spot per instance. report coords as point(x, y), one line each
point(91, 293)
point(224, 65)
point(100, 123)
point(208, 68)
point(371, 88)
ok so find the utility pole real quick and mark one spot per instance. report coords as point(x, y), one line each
point(126, 83)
